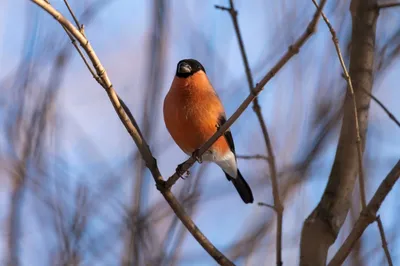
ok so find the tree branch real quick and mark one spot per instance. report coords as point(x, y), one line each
point(391, 116)
point(356, 124)
point(367, 216)
point(253, 157)
point(322, 226)
point(136, 135)
point(383, 239)
point(78, 25)
point(387, 5)
point(278, 207)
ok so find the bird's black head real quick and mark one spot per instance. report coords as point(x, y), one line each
point(188, 67)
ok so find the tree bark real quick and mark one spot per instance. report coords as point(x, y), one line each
point(321, 228)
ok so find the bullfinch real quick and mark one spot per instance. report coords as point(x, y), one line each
point(193, 112)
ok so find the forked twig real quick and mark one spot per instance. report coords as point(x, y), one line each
point(78, 25)
point(73, 41)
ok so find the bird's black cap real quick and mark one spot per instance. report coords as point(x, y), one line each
point(188, 67)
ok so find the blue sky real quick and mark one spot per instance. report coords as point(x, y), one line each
point(120, 35)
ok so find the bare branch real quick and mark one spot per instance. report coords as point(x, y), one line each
point(253, 157)
point(383, 239)
point(267, 205)
point(367, 216)
point(391, 116)
point(73, 41)
point(78, 25)
point(387, 5)
point(278, 207)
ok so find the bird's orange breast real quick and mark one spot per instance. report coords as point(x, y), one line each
point(191, 113)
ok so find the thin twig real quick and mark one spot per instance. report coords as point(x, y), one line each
point(253, 157)
point(266, 205)
point(292, 50)
point(78, 25)
point(387, 5)
point(136, 135)
point(357, 126)
point(359, 149)
point(385, 109)
point(278, 207)
point(383, 239)
point(322, 226)
point(391, 116)
point(73, 41)
point(368, 216)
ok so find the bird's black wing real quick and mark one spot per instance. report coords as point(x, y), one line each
point(239, 182)
point(227, 134)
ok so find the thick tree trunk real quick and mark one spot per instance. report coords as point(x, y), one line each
point(321, 228)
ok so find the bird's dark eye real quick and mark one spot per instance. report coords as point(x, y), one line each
point(184, 68)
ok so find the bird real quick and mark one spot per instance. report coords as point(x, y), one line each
point(193, 112)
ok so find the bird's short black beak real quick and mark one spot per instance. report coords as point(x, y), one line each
point(184, 68)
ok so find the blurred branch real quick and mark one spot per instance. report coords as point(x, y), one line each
point(367, 216)
point(136, 135)
point(14, 221)
point(387, 5)
point(151, 98)
point(253, 157)
point(292, 51)
point(295, 176)
point(321, 227)
point(278, 207)
point(26, 138)
point(266, 205)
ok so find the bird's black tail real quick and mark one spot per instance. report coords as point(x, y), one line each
point(242, 187)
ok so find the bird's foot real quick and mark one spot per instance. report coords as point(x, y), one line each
point(196, 155)
point(182, 174)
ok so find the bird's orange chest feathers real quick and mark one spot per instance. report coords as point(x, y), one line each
point(191, 111)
